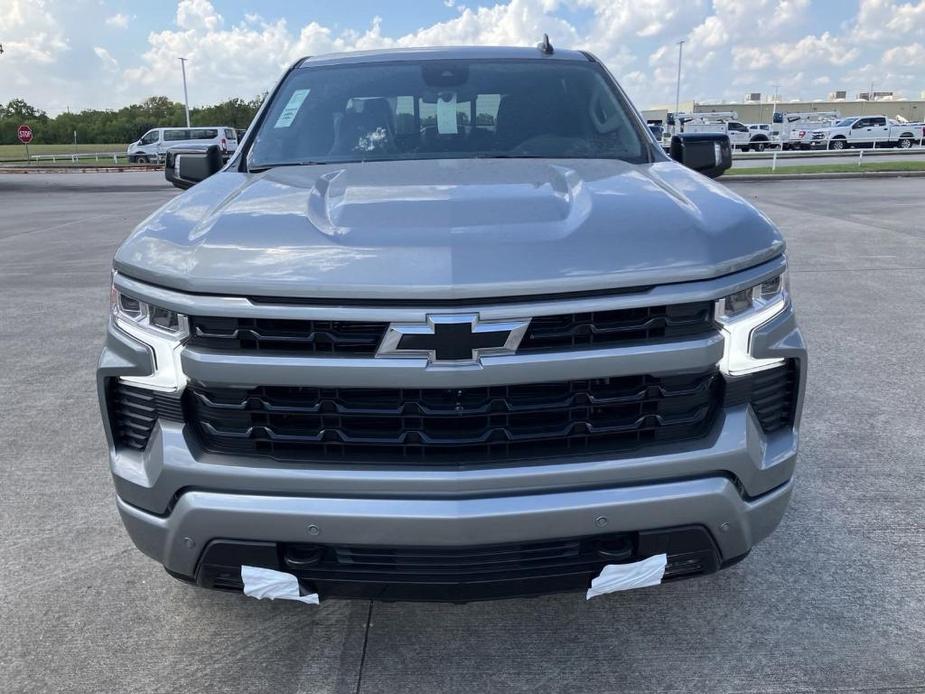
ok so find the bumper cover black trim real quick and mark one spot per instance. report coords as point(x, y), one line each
point(458, 574)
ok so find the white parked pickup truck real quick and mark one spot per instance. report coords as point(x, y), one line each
point(867, 131)
point(723, 122)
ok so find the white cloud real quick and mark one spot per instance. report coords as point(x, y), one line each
point(109, 63)
point(907, 57)
point(731, 46)
point(198, 14)
point(881, 20)
point(30, 34)
point(118, 21)
point(821, 51)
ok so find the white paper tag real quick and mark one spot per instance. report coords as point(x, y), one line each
point(275, 585)
point(446, 115)
point(639, 574)
point(292, 108)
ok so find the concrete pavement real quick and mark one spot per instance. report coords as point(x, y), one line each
point(832, 601)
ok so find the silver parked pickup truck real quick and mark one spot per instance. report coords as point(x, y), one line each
point(450, 325)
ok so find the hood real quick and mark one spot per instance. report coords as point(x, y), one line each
point(448, 229)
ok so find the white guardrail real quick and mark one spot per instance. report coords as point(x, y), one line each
point(77, 156)
point(858, 154)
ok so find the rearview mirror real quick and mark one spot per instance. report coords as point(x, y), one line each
point(708, 153)
point(184, 167)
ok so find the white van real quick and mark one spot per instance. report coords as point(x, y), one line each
point(154, 143)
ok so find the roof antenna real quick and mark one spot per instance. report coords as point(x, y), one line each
point(544, 46)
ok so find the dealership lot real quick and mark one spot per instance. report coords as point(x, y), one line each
point(835, 599)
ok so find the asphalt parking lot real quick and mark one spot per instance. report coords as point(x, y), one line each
point(833, 601)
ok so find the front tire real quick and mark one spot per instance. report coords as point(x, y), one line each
point(759, 146)
point(837, 145)
point(141, 159)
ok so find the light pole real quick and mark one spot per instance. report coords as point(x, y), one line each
point(677, 94)
point(185, 93)
point(774, 99)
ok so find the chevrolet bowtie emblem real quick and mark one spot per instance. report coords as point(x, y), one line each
point(455, 339)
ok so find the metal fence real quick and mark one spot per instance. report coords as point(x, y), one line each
point(77, 156)
point(823, 154)
point(77, 160)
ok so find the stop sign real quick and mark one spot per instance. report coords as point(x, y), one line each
point(25, 134)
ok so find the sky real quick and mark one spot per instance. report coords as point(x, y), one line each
point(74, 54)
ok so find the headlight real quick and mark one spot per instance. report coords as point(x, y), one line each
point(161, 329)
point(148, 317)
point(740, 313)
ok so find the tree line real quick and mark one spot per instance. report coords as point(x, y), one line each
point(121, 126)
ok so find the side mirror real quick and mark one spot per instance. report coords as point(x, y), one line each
point(708, 153)
point(184, 167)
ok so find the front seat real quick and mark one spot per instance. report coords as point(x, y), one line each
point(366, 127)
point(523, 116)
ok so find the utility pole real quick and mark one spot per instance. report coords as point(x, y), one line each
point(677, 94)
point(185, 93)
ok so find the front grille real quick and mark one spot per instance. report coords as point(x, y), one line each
point(455, 426)
point(606, 328)
point(133, 413)
point(358, 338)
point(284, 335)
point(434, 564)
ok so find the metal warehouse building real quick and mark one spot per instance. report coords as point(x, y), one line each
point(760, 112)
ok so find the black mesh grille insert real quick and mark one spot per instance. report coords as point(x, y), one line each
point(425, 564)
point(455, 426)
point(567, 331)
point(134, 411)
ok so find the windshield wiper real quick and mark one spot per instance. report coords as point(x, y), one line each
point(267, 167)
point(516, 156)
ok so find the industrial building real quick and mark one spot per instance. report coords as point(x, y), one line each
point(754, 109)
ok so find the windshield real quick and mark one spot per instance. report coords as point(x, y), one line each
point(845, 122)
point(446, 109)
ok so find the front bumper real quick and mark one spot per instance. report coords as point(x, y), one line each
point(176, 500)
point(715, 504)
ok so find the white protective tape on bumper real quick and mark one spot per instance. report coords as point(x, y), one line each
point(639, 574)
point(276, 585)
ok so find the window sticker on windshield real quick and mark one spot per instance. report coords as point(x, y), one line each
point(446, 114)
point(292, 108)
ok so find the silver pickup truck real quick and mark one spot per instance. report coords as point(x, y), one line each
point(450, 325)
